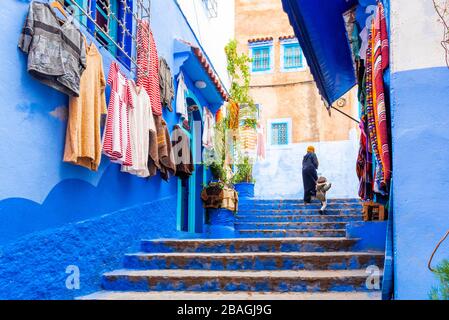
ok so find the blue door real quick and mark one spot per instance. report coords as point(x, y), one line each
point(191, 214)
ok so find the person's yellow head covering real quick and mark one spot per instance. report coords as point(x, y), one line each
point(311, 149)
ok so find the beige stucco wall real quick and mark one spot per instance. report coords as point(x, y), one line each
point(288, 94)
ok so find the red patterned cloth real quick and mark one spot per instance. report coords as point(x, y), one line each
point(381, 62)
point(148, 65)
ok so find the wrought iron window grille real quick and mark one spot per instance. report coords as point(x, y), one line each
point(140, 11)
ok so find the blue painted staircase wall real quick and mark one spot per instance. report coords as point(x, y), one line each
point(281, 247)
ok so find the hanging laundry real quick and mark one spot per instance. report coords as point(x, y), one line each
point(183, 153)
point(56, 50)
point(181, 103)
point(166, 84)
point(209, 129)
point(260, 142)
point(381, 63)
point(116, 137)
point(148, 65)
point(83, 138)
point(166, 165)
point(141, 123)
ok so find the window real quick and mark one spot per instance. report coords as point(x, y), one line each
point(261, 55)
point(110, 21)
point(108, 25)
point(279, 132)
point(292, 57)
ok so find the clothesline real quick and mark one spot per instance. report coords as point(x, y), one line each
point(121, 23)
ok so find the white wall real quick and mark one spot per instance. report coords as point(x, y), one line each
point(280, 174)
point(416, 35)
point(213, 33)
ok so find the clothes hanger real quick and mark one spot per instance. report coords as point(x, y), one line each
point(57, 5)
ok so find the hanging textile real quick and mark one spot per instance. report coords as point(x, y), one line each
point(234, 121)
point(248, 140)
point(219, 115)
point(141, 123)
point(370, 111)
point(365, 165)
point(83, 138)
point(260, 142)
point(381, 62)
point(148, 65)
point(166, 160)
point(209, 129)
point(183, 153)
point(116, 137)
point(181, 103)
point(166, 84)
point(56, 52)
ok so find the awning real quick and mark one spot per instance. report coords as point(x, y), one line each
point(195, 64)
point(320, 29)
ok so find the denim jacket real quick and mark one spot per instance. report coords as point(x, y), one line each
point(56, 52)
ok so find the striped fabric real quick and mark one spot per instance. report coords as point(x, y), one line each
point(248, 140)
point(370, 98)
point(148, 65)
point(116, 138)
point(381, 62)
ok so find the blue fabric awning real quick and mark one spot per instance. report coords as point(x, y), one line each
point(320, 29)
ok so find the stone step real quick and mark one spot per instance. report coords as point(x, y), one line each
point(248, 245)
point(254, 261)
point(289, 225)
point(300, 201)
point(293, 233)
point(296, 206)
point(258, 281)
point(307, 212)
point(214, 296)
point(298, 218)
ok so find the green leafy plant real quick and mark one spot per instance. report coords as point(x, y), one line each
point(250, 123)
point(442, 291)
point(244, 172)
point(239, 74)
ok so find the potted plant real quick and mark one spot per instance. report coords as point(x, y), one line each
point(243, 179)
point(219, 196)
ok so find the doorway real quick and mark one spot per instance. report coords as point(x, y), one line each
point(191, 214)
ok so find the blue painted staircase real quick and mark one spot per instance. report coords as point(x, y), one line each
point(283, 250)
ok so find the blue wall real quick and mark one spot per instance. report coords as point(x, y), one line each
point(420, 133)
point(42, 199)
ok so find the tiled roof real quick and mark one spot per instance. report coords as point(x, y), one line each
point(209, 70)
point(263, 39)
point(287, 37)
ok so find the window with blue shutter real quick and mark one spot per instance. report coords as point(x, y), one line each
point(292, 56)
point(262, 57)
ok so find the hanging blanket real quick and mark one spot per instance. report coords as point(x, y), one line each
point(381, 61)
